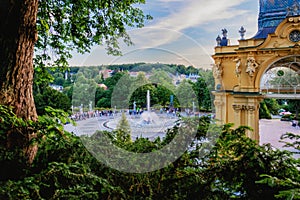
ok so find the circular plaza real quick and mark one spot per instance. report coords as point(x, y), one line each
point(147, 125)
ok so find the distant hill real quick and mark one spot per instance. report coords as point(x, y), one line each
point(145, 67)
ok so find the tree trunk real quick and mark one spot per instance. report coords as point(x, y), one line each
point(18, 35)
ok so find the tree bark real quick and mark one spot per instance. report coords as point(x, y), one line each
point(18, 35)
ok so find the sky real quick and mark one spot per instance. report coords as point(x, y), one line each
point(181, 32)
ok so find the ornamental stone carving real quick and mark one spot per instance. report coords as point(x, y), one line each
point(217, 70)
point(218, 103)
point(237, 66)
point(238, 107)
point(252, 65)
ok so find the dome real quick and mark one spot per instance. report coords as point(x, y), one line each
point(271, 13)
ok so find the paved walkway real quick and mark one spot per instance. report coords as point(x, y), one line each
point(152, 131)
point(88, 126)
point(271, 131)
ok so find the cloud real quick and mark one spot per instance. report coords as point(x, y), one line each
point(175, 31)
point(189, 14)
point(186, 29)
point(199, 12)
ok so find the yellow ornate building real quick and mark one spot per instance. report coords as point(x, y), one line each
point(238, 69)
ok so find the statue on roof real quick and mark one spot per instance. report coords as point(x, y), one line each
point(224, 40)
point(224, 33)
point(242, 32)
point(218, 39)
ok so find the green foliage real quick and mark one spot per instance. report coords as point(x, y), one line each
point(53, 98)
point(294, 107)
point(123, 134)
point(202, 91)
point(239, 163)
point(290, 188)
point(268, 107)
point(129, 89)
point(286, 185)
point(121, 91)
point(60, 181)
point(295, 144)
point(272, 105)
point(235, 167)
point(148, 67)
point(12, 161)
point(46, 96)
point(103, 98)
point(287, 117)
point(162, 95)
point(140, 94)
point(42, 78)
point(59, 81)
point(64, 26)
point(61, 169)
point(186, 95)
point(264, 112)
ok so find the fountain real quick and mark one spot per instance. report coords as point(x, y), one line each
point(149, 124)
point(149, 117)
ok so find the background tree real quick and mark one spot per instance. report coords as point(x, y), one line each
point(103, 98)
point(110, 82)
point(186, 95)
point(264, 112)
point(294, 106)
point(162, 77)
point(203, 94)
point(267, 108)
point(53, 98)
point(120, 92)
point(84, 91)
point(140, 96)
point(139, 81)
point(123, 131)
point(163, 95)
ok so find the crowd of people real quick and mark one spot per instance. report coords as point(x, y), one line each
point(110, 113)
point(93, 113)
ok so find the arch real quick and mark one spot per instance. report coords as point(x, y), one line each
point(286, 72)
point(266, 66)
point(241, 68)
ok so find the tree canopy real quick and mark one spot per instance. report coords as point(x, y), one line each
point(69, 25)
